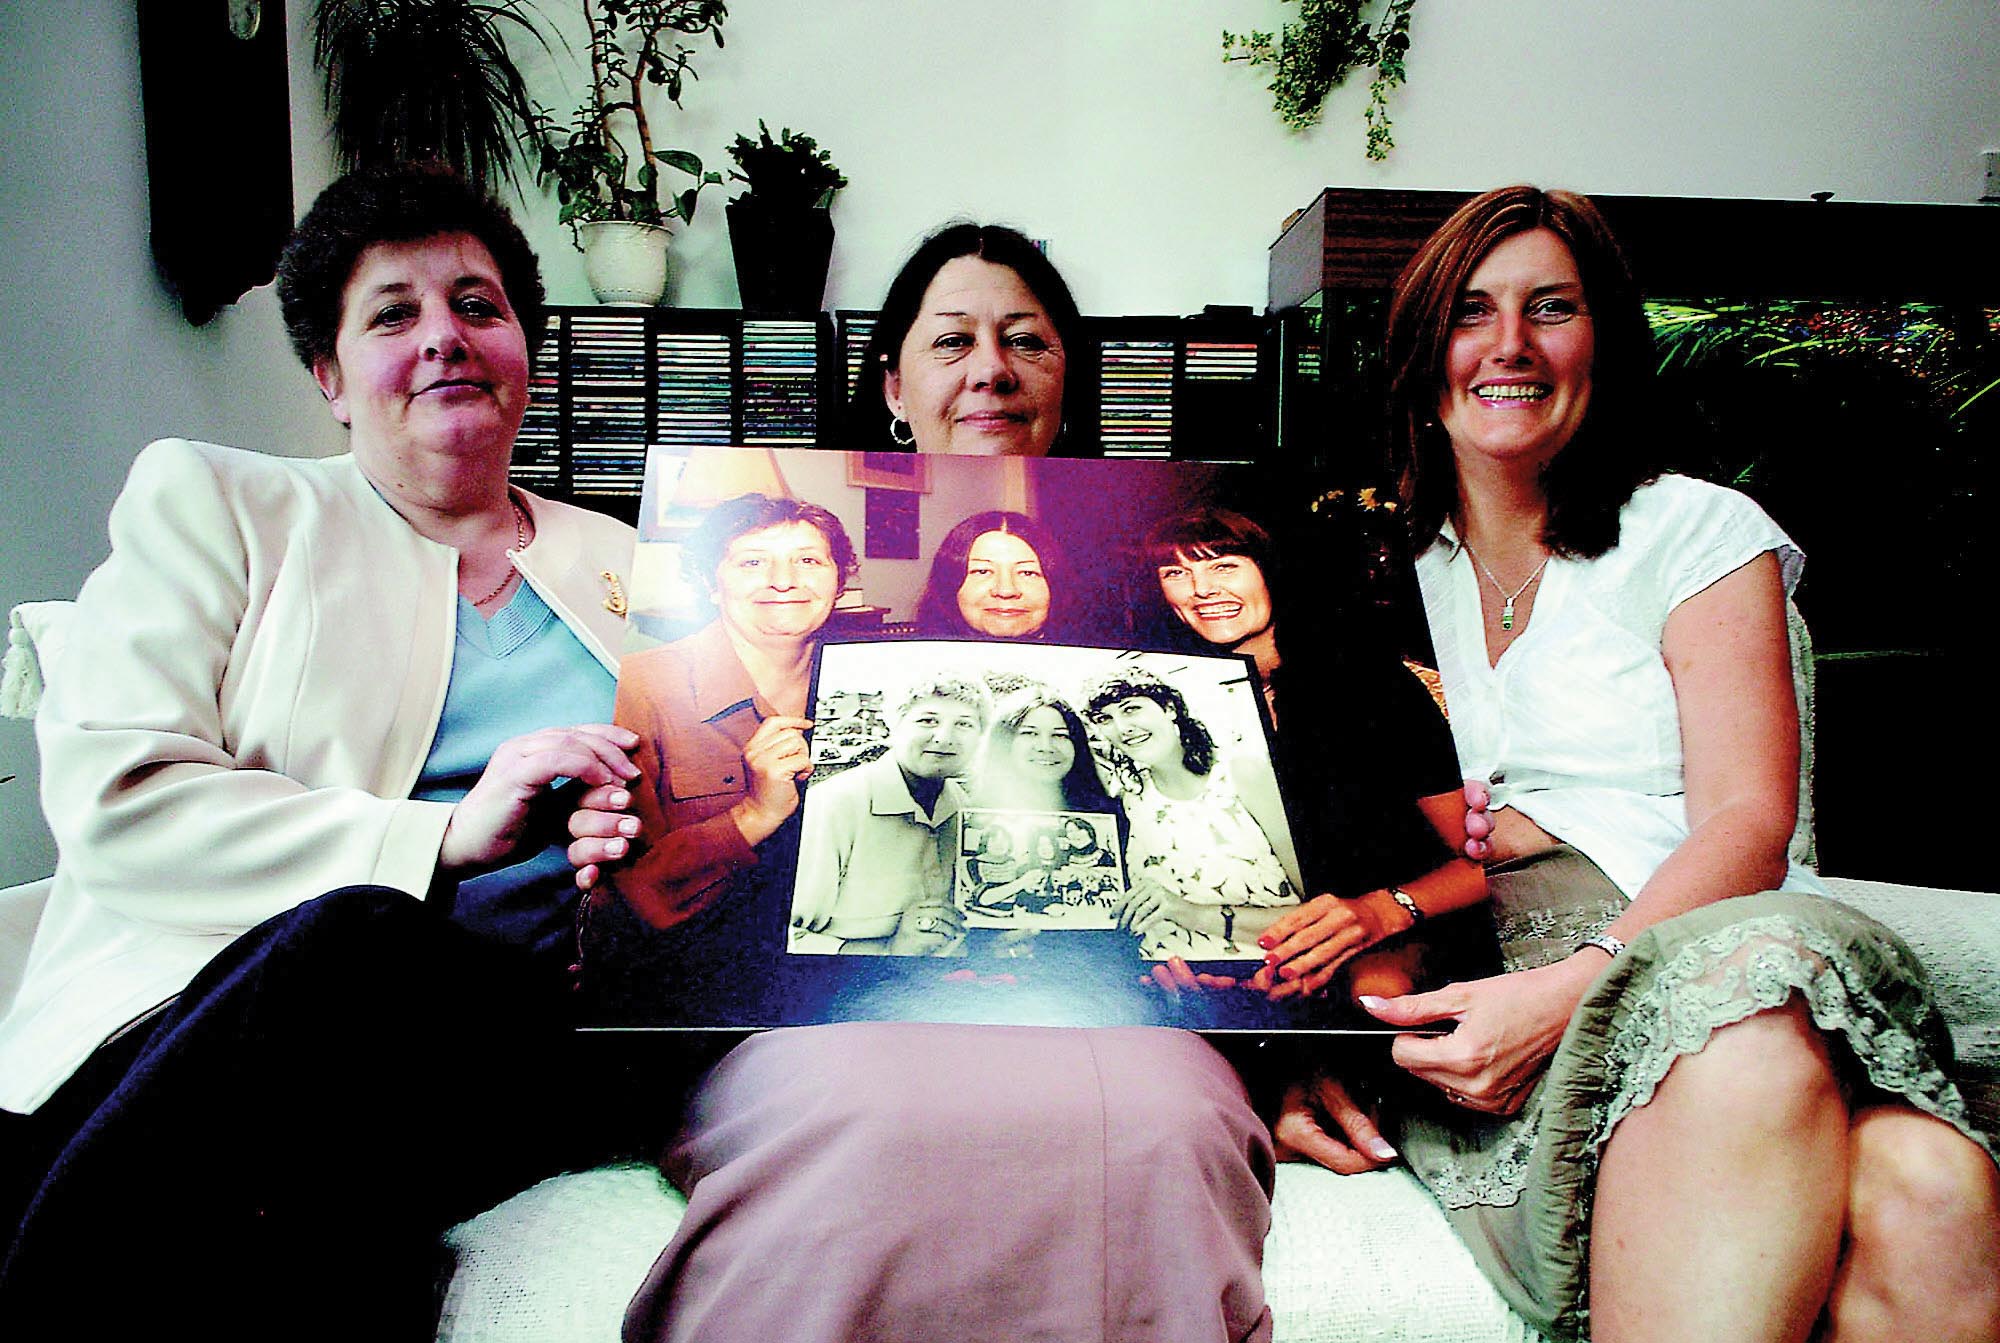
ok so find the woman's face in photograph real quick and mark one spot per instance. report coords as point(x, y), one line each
point(1043, 747)
point(777, 582)
point(981, 370)
point(1142, 728)
point(1004, 593)
point(1224, 598)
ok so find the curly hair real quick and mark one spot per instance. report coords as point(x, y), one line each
point(1617, 447)
point(1197, 745)
point(868, 416)
point(403, 202)
point(702, 552)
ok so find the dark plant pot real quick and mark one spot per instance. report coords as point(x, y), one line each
point(781, 255)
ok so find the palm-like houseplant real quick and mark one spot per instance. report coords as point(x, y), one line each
point(604, 163)
point(426, 79)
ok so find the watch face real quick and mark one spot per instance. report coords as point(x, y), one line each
point(245, 18)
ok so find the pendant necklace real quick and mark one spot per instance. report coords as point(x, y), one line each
point(1507, 599)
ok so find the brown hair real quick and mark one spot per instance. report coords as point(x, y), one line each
point(1614, 450)
point(702, 553)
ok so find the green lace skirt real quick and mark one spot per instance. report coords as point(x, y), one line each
point(1518, 1190)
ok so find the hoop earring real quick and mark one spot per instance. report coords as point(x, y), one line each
point(897, 422)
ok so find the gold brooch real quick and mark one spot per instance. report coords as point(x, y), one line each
point(615, 603)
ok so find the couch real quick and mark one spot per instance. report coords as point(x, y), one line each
point(1365, 1257)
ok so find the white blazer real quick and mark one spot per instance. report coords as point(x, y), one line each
point(251, 686)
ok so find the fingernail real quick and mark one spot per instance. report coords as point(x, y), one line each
point(621, 800)
point(616, 848)
point(1381, 1150)
point(629, 826)
point(1267, 941)
point(1373, 1002)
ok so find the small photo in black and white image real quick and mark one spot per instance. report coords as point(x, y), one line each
point(1136, 788)
point(1039, 869)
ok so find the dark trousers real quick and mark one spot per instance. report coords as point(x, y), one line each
point(277, 1154)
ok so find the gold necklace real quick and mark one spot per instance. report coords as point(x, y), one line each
point(520, 543)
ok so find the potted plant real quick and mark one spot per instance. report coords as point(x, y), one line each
point(425, 79)
point(781, 229)
point(604, 164)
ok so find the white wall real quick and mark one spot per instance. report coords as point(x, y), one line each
point(1110, 127)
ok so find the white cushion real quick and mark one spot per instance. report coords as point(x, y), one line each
point(558, 1262)
point(1349, 1258)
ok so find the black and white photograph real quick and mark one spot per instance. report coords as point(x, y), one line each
point(1043, 787)
point(1039, 869)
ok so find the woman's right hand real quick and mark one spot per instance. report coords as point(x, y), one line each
point(777, 759)
point(1319, 1121)
point(1478, 820)
point(492, 820)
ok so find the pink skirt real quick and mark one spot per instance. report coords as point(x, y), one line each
point(912, 1181)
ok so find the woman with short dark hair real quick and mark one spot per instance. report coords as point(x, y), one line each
point(310, 929)
point(730, 697)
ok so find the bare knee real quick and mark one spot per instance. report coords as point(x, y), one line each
point(1918, 1179)
point(1767, 1073)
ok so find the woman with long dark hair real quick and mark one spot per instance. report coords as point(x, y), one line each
point(997, 575)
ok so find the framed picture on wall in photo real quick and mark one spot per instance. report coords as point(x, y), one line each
point(890, 471)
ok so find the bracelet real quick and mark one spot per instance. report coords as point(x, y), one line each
point(1402, 897)
point(1605, 943)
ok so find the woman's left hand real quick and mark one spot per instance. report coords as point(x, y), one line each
point(1503, 1032)
point(1306, 946)
point(602, 831)
point(493, 819)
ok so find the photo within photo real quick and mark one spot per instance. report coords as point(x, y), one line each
point(963, 739)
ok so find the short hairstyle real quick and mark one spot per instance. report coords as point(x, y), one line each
point(868, 415)
point(1082, 789)
point(402, 202)
point(1197, 746)
point(1616, 448)
point(703, 551)
point(967, 690)
point(937, 608)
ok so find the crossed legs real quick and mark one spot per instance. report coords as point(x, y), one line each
point(1744, 1199)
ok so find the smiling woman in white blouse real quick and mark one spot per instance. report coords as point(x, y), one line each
point(1678, 1114)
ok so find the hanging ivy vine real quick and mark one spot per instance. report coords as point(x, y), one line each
point(1310, 58)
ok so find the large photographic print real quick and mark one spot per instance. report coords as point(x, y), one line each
point(980, 756)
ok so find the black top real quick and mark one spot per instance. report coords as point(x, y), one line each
point(1359, 740)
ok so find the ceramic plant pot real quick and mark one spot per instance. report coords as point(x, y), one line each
point(625, 263)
